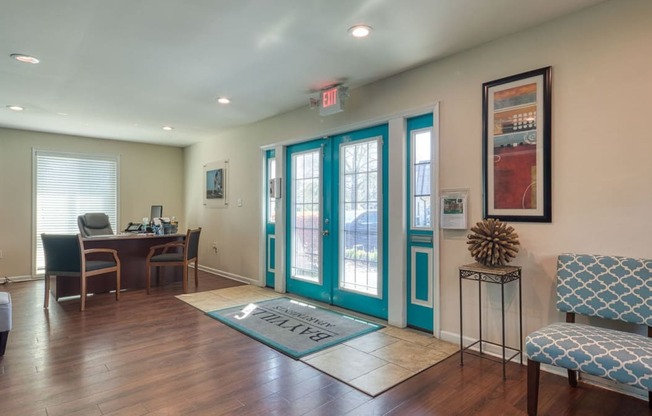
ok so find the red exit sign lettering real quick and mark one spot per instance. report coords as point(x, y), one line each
point(329, 97)
point(331, 101)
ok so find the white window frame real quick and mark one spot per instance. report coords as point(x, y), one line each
point(413, 136)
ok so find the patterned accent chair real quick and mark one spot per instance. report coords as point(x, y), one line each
point(616, 288)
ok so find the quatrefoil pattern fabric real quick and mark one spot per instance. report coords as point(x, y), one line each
point(616, 355)
point(606, 286)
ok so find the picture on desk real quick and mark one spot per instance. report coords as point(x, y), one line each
point(215, 184)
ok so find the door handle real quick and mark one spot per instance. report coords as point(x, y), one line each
point(325, 233)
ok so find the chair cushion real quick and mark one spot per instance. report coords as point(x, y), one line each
point(5, 312)
point(616, 355)
point(96, 220)
point(99, 264)
point(167, 257)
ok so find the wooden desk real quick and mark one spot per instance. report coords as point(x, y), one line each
point(132, 250)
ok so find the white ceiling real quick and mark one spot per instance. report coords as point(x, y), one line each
point(122, 69)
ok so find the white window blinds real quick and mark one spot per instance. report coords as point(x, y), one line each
point(68, 185)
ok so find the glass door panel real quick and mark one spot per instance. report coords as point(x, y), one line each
point(359, 217)
point(306, 216)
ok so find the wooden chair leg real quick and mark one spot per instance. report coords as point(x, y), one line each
point(117, 285)
point(83, 292)
point(533, 369)
point(572, 378)
point(185, 278)
point(196, 277)
point(148, 278)
point(46, 302)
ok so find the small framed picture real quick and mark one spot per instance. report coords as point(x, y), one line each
point(215, 184)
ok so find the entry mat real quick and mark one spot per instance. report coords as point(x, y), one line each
point(371, 363)
point(294, 327)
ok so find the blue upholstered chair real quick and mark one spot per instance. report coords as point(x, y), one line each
point(65, 256)
point(184, 254)
point(608, 287)
point(94, 223)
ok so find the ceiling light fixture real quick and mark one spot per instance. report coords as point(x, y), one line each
point(360, 31)
point(24, 58)
point(168, 128)
point(15, 108)
point(223, 100)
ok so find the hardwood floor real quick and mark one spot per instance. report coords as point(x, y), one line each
point(156, 355)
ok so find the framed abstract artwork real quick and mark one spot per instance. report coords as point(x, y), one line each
point(516, 147)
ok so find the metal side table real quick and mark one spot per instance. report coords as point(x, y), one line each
point(499, 275)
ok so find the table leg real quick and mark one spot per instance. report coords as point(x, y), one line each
point(502, 309)
point(480, 312)
point(520, 320)
point(461, 332)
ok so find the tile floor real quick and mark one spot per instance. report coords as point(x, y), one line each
point(371, 363)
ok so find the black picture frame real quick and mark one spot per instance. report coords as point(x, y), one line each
point(516, 147)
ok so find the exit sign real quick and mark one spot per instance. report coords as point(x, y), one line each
point(331, 101)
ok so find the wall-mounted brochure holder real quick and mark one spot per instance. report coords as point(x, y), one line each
point(454, 209)
point(275, 188)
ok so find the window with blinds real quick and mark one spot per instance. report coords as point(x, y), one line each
point(68, 185)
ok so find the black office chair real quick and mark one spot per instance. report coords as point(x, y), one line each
point(94, 223)
point(189, 254)
point(65, 256)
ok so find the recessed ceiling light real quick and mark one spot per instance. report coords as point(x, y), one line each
point(24, 58)
point(360, 31)
point(168, 128)
point(223, 100)
point(15, 107)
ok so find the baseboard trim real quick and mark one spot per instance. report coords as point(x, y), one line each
point(21, 278)
point(228, 275)
point(585, 378)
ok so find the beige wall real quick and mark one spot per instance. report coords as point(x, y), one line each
point(148, 175)
point(602, 176)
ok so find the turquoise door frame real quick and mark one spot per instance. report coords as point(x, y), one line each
point(327, 225)
point(346, 297)
point(270, 223)
point(420, 222)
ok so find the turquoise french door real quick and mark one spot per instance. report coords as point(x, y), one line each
point(420, 246)
point(270, 220)
point(335, 222)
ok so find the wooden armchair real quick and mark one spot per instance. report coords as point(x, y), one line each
point(188, 254)
point(65, 256)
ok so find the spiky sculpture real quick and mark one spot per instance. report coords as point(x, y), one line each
point(493, 243)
